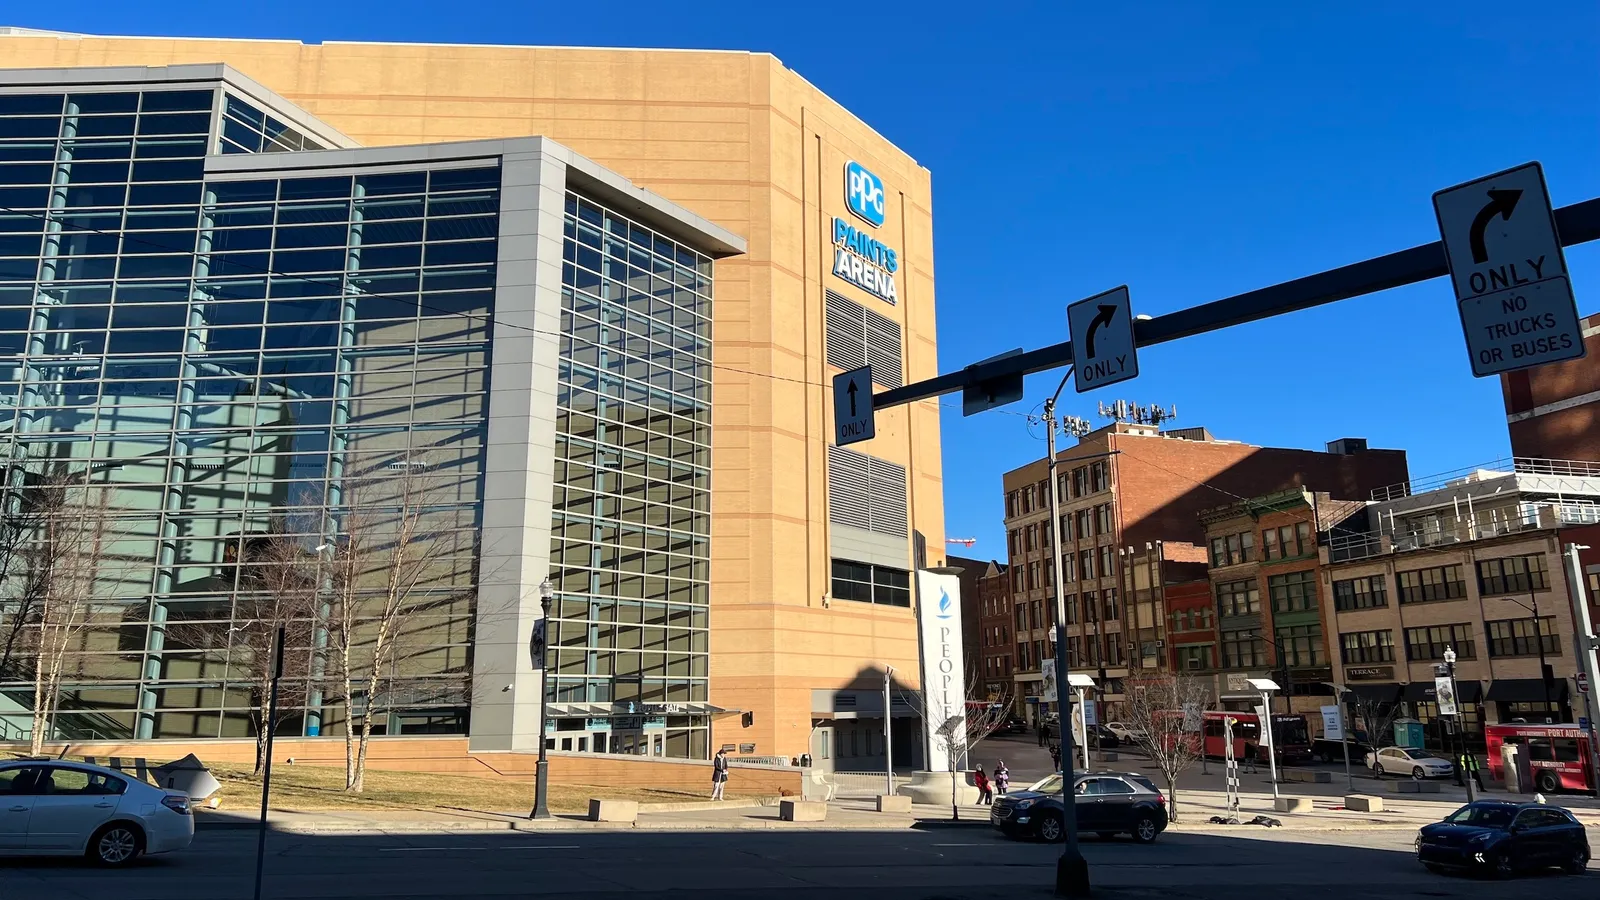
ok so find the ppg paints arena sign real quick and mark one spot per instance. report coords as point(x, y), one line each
point(858, 257)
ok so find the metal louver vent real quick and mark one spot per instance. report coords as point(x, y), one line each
point(857, 336)
point(866, 492)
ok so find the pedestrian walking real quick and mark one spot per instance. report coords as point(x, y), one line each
point(1055, 757)
point(1250, 756)
point(719, 774)
point(985, 792)
point(1043, 727)
point(1469, 765)
point(1002, 778)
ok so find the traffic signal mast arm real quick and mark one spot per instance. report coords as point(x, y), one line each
point(1577, 224)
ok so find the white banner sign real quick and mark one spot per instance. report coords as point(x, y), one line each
point(944, 690)
point(1332, 724)
point(1089, 715)
point(1047, 690)
point(1445, 693)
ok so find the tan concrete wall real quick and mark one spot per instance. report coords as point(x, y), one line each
point(752, 146)
point(448, 756)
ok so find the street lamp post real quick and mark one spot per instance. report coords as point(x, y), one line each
point(541, 795)
point(1265, 686)
point(1072, 870)
point(1460, 743)
point(1538, 639)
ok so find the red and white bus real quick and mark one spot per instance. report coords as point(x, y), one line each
point(1291, 737)
point(1559, 755)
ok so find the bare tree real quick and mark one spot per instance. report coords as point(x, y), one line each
point(59, 557)
point(390, 556)
point(276, 588)
point(958, 734)
point(1377, 720)
point(1162, 710)
point(20, 516)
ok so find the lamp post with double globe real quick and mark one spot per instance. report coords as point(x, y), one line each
point(541, 807)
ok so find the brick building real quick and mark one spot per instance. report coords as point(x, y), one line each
point(1462, 564)
point(1268, 597)
point(1553, 411)
point(1124, 491)
point(994, 648)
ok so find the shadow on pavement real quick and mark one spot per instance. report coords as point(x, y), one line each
point(893, 864)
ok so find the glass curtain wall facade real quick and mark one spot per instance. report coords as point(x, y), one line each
point(241, 363)
point(630, 545)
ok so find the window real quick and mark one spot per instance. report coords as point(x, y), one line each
point(1594, 587)
point(1086, 564)
point(1013, 542)
point(59, 780)
point(16, 780)
point(1429, 643)
point(1108, 561)
point(1238, 598)
point(1109, 596)
point(1242, 650)
point(1359, 593)
point(1091, 606)
point(1063, 491)
point(1011, 505)
point(1426, 585)
point(1085, 524)
point(1194, 656)
point(1032, 538)
point(1098, 480)
point(1080, 481)
point(1516, 637)
point(1287, 542)
point(1367, 646)
point(1232, 549)
point(1301, 645)
point(1066, 528)
point(1072, 609)
point(866, 583)
point(1513, 575)
point(1293, 591)
point(1102, 518)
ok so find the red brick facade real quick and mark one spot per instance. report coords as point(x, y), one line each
point(1553, 411)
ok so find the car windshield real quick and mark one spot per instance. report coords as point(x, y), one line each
point(1049, 785)
point(1482, 815)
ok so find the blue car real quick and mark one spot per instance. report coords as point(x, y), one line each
point(1503, 838)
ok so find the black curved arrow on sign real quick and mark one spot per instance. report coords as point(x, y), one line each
point(1501, 203)
point(1107, 310)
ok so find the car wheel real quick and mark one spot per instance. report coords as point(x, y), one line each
point(1145, 830)
point(1503, 867)
point(1049, 828)
point(117, 844)
point(1417, 774)
point(1547, 783)
point(1318, 758)
point(1578, 863)
point(1377, 770)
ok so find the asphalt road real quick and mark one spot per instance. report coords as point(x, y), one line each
point(944, 862)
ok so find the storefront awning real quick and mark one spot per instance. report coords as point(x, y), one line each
point(1526, 690)
point(1422, 692)
point(1387, 692)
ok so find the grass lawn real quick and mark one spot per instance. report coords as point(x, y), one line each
point(322, 788)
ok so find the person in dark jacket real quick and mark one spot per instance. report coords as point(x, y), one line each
point(719, 774)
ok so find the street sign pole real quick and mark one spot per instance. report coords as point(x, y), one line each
point(1585, 642)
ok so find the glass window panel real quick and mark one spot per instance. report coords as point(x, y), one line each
point(166, 101)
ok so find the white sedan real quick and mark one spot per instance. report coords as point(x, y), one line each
point(59, 808)
point(1419, 764)
point(1125, 733)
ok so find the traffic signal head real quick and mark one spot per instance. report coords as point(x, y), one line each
point(747, 719)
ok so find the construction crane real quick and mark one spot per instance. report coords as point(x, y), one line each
point(965, 542)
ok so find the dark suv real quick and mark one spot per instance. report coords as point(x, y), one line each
point(1106, 803)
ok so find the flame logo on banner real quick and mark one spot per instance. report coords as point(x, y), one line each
point(944, 604)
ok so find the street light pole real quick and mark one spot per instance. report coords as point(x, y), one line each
point(541, 795)
point(1072, 870)
point(888, 734)
point(1461, 737)
point(1339, 691)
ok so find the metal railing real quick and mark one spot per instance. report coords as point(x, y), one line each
point(1521, 465)
point(1399, 538)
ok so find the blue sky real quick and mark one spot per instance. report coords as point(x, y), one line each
point(1190, 150)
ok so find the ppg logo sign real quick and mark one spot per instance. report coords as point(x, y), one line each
point(863, 193)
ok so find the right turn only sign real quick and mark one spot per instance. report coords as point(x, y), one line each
point(1510, 276)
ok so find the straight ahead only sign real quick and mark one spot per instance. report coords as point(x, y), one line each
point(1510, 276)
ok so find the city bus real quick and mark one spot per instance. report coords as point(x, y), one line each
point(1291, 737)
point(1559, 755)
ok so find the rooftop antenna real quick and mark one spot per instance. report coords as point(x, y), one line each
point(1127, 411)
